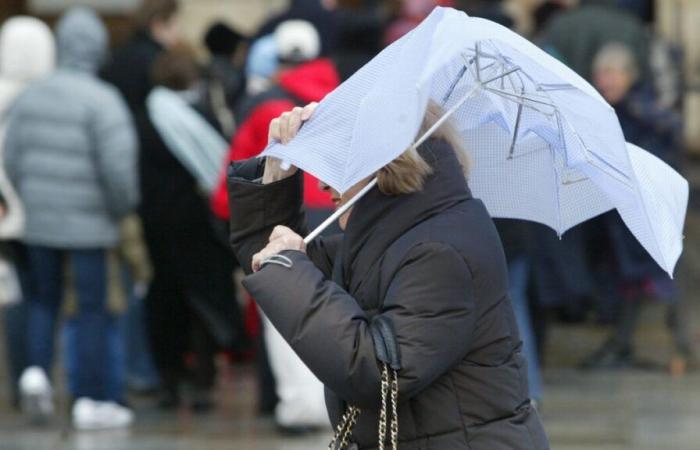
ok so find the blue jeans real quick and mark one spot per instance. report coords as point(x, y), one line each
point(92, 322)
point(518, 276)
point(130, 356)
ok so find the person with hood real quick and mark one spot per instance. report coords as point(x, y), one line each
point(70, 151)
point(27, 53)
point(302, 78)
point(405, 317)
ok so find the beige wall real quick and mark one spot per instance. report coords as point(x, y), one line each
point(245, 15)
point(679, 21)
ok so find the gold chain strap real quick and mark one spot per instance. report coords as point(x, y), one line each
point(394, 410)
point(383, 410)
point(390, 381)
point(345, 426)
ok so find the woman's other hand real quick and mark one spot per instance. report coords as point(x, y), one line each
point(283, 129)
point(281, 239)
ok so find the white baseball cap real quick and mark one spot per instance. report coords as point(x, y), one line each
point(297, 41)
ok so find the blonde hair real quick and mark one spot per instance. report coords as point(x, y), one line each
point(407, 173)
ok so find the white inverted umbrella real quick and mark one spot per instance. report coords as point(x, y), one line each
point(546, 146)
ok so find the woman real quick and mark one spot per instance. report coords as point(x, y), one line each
point(418, 280)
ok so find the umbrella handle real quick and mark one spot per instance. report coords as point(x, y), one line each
point(340, 211)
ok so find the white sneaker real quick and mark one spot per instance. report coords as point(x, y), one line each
point(95, 415)
point(36, 392)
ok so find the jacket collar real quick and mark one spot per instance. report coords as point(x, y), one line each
point(377, 220)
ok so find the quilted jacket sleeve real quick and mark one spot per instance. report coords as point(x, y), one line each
point(430, 303)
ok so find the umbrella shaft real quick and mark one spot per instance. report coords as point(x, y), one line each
point(339, 212)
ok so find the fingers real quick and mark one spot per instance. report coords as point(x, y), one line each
point(286, 126)
point(308, 111)
point(286, 239)
point(282, 238)
point(278, 232)
point(274, 131)
point(294, 123)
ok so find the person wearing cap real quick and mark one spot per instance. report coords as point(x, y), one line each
point(302, 77)
point(224, 80)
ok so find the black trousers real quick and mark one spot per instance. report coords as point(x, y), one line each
point(191, 304)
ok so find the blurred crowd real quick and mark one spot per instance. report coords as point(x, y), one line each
point(114, 210)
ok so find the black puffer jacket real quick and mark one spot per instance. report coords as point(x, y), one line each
point(431, 263)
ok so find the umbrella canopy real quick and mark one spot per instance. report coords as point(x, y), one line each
point(546, 146)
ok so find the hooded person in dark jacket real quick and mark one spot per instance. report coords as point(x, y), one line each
point(417, 282)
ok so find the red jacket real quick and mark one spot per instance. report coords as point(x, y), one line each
point(307, 83)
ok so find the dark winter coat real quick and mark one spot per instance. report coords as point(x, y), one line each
point(430, 263)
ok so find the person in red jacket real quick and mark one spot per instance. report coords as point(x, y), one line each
point(297, 84)
point(302, 78)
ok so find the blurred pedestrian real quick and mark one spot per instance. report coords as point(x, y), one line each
point(516, 237)
point(616, 74)
point(576, 35)
point(156, 28)
point(260, 68)
point(224, 78)
point(191, 304)
point(319, 13)
point(411, 13)
point(27, 53)
point(302, 77)
point(71, 153)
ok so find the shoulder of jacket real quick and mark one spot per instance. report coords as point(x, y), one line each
point(418, 243)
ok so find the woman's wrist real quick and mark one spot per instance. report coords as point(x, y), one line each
point(274, 171)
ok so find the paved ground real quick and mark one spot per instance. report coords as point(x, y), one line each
point(633, 410)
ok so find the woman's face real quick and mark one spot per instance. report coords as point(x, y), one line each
point(340, 200)
point(613, 83)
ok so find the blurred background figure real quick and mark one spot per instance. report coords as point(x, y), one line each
point(71, 153)
point(302, 77)
point(224, 79)
point(27, 53)
point(644, 122)
point(321, 14)
point(155, 28)
point(260, 68)
point(191, 306)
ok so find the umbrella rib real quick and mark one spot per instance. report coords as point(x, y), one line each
point(477, 46)
point(515, 131)
point(555, 87)
point(519, 96)
point(503, 75)
point(525, 105)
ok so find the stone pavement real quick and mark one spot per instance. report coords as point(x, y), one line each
point(635, 410)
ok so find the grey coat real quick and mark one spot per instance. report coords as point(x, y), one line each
point(70, 148)
point(431, 264)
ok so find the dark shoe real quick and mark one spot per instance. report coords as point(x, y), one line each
point(168, 400)
point(296, 430)
point(609, 356)
point(201, 402)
